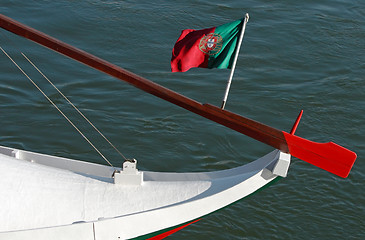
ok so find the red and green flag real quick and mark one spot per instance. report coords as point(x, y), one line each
point(207, 48)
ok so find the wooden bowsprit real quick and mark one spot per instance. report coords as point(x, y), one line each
point(328, 156)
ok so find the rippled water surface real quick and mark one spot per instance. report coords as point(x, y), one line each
point(296, 55)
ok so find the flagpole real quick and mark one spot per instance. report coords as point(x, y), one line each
point(234, 61)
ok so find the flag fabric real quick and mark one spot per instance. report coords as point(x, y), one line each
point(207, 48)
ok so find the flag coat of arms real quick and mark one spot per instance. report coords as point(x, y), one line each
point(207, 48)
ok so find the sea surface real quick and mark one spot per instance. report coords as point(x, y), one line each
point(295, 55)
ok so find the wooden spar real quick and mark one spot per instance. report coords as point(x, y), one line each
point(256, 130)
point(339, 161)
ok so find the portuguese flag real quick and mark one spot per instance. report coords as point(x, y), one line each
point(207, 48)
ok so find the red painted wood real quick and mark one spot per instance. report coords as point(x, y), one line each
point(328, 156)
point(295, 126)
point(168, 233)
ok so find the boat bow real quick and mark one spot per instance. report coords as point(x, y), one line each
point(68, 194)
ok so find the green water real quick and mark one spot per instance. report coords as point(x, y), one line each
point(296, 55)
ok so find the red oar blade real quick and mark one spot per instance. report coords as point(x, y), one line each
point(328, 156)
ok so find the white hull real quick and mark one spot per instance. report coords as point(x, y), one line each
point(46, 197)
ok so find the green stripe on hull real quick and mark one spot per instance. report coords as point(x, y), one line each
point(154, 234)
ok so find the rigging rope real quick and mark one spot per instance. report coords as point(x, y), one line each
point(77, 129)
point(96, 129)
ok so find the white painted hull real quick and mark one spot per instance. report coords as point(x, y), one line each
point(46, 197)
